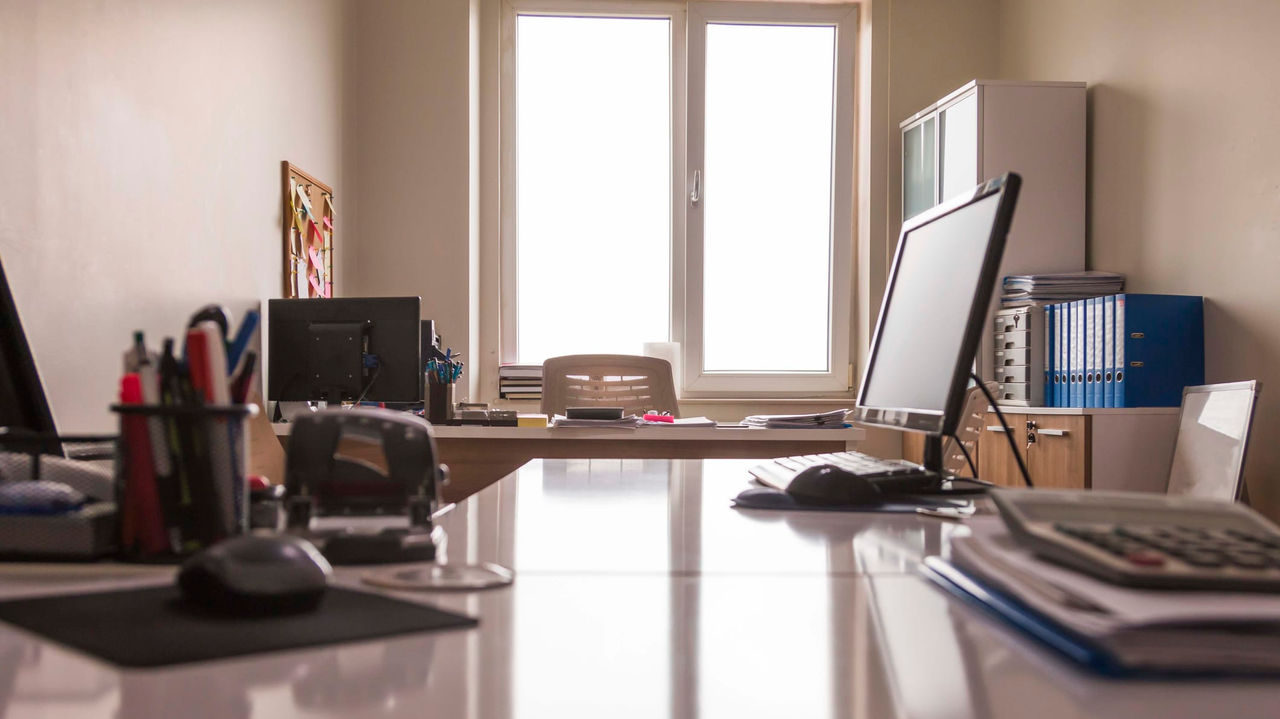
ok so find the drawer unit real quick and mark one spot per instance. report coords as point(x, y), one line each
point(1018, 351)
point(1014, 392)
point(1012, 340)
point(1076, 448)
point(1013, 373)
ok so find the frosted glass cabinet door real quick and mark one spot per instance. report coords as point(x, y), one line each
point(959, 135)
point(919, 178)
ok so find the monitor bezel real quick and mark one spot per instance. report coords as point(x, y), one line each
point(932, 421)
point(32, 403)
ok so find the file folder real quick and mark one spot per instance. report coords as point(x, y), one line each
point(1109, 351)
point(1077, 353)
point(1089, 364)
point(1050, 359)
point(1063, 355)
point(1096, 335)
point(1159, 348)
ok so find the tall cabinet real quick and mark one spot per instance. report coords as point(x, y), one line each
point(987, 128)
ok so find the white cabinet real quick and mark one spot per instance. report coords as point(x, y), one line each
point(987, 128)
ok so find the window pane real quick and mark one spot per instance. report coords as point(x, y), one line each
point(593, 192)
point(767, 212)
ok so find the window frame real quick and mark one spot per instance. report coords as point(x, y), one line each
point(686, 261)
point(676, 13)
point(840, 262)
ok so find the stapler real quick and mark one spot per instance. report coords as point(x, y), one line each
point(331, 470)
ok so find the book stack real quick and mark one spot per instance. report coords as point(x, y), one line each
point(1040, 290)
point(824, 420)
point(1109, 629)
point(1128, 350)
point(520, 381)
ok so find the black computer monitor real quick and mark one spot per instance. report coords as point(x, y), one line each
point(23, 407)
point(934, 309)
point(344, 349)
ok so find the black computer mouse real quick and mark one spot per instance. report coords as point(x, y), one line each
point(254, 575)
point(830, 485)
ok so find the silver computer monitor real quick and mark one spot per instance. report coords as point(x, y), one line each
point(1213, 436)
point(934, 308)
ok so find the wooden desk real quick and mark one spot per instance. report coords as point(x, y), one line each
point(479, 456)
point(639, 593)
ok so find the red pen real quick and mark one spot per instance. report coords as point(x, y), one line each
point(142, 515)
point(651, 417)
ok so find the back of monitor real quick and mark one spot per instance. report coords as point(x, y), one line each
point(1213, 436)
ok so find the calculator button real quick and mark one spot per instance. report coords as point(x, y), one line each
point(1200, 558)
point(1145, 558)
point(1250, 560)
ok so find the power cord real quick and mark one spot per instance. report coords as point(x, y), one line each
point(369, 360)
point(1008, 434)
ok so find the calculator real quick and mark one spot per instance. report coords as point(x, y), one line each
point(1147, 540)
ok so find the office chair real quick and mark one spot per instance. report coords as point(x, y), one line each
point(634, 383)
point(1213, 435)
point(968, 432)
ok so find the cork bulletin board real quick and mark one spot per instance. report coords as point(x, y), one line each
point(309, 218)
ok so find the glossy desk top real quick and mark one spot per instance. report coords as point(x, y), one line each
point(687, 620)
point(647, 433)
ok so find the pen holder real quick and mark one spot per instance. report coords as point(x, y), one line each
point(180, 478)
point(439, 400)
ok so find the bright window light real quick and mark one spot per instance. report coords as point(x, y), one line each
point(767, 197)
point(593, 185)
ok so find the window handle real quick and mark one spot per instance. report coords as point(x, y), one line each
point(695, 195)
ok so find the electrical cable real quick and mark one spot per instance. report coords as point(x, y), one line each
point(1008, 433)
point(376, 369)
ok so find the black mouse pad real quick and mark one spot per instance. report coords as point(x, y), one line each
point(770, 498)
point(154, 627)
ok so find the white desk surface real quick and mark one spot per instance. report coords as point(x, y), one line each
point(663, 434)
point(703, 611)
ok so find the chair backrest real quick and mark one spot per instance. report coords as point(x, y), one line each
point(634, 383)
point(968, 431)
point(1213, 434)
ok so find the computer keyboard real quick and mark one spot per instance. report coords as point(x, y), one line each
point(890, 476)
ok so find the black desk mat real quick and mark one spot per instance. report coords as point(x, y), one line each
point(153, 627)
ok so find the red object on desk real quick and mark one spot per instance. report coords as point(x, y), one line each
point(141, 517)
point(659, 418)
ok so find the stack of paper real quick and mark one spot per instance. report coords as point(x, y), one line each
point(833, 420)
point(520, 381)
point(630, 421)
point(1039, 290)
point(681, 422)
point(1108, 628)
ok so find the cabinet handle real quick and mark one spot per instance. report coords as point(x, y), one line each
point(695, 195)
point(1053, 432)
point(994, 428)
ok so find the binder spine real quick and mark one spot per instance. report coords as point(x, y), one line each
point(1109, 351)
point(1077, 353)
point(1121, 386)
point(1063, 364)
point(1096, 341)
point(1050, 346)
point(1064, 393)
point(1089, 365)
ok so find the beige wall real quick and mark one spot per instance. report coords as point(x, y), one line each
point(140, 149)
point(409, 153)
point(1184, 190)
point(936, 46)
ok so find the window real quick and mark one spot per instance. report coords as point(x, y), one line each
point(695, 186)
